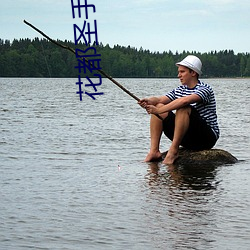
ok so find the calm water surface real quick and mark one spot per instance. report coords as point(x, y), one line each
point(72, 175)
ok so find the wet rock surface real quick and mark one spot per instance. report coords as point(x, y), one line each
point(204, 157)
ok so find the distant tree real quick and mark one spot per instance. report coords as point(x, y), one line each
point(41, 58)
point(247, 69)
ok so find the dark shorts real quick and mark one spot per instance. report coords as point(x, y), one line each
point(199, 135)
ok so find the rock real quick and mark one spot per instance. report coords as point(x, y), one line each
point(213, 157)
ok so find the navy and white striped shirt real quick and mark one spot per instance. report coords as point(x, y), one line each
point(206, 108)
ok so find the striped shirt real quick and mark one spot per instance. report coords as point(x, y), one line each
point(206, 108)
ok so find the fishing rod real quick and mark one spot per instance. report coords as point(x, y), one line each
point(86, 60)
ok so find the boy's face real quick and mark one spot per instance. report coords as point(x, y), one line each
point(185, 75)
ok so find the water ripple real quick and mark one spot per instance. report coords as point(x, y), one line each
point(72, 175)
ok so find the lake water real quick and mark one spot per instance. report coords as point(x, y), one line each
point(72, 175)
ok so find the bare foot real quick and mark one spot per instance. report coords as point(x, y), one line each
point(170, 157)
point(153, 156)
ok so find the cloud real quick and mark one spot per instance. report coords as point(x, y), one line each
point(147, 2)
point(152, 24)
point(225, 5)
point(222, 2)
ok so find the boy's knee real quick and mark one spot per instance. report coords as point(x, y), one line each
point(184, 110)
point(159, 105)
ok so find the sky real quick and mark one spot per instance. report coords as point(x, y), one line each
point(155, 25)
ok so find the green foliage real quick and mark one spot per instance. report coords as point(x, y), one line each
point(41, 58)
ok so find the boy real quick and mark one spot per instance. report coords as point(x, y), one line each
point(194, 125)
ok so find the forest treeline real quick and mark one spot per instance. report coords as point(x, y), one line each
point(41, 58)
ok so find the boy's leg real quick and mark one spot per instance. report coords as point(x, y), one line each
point(156, 128)
point(181, 127)
point(199, 135)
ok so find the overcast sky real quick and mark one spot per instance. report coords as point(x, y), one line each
point(157, 25)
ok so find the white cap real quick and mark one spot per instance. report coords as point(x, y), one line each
point(191, 62)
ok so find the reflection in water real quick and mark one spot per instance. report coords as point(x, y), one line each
point(183, 197)
point(183, 177)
